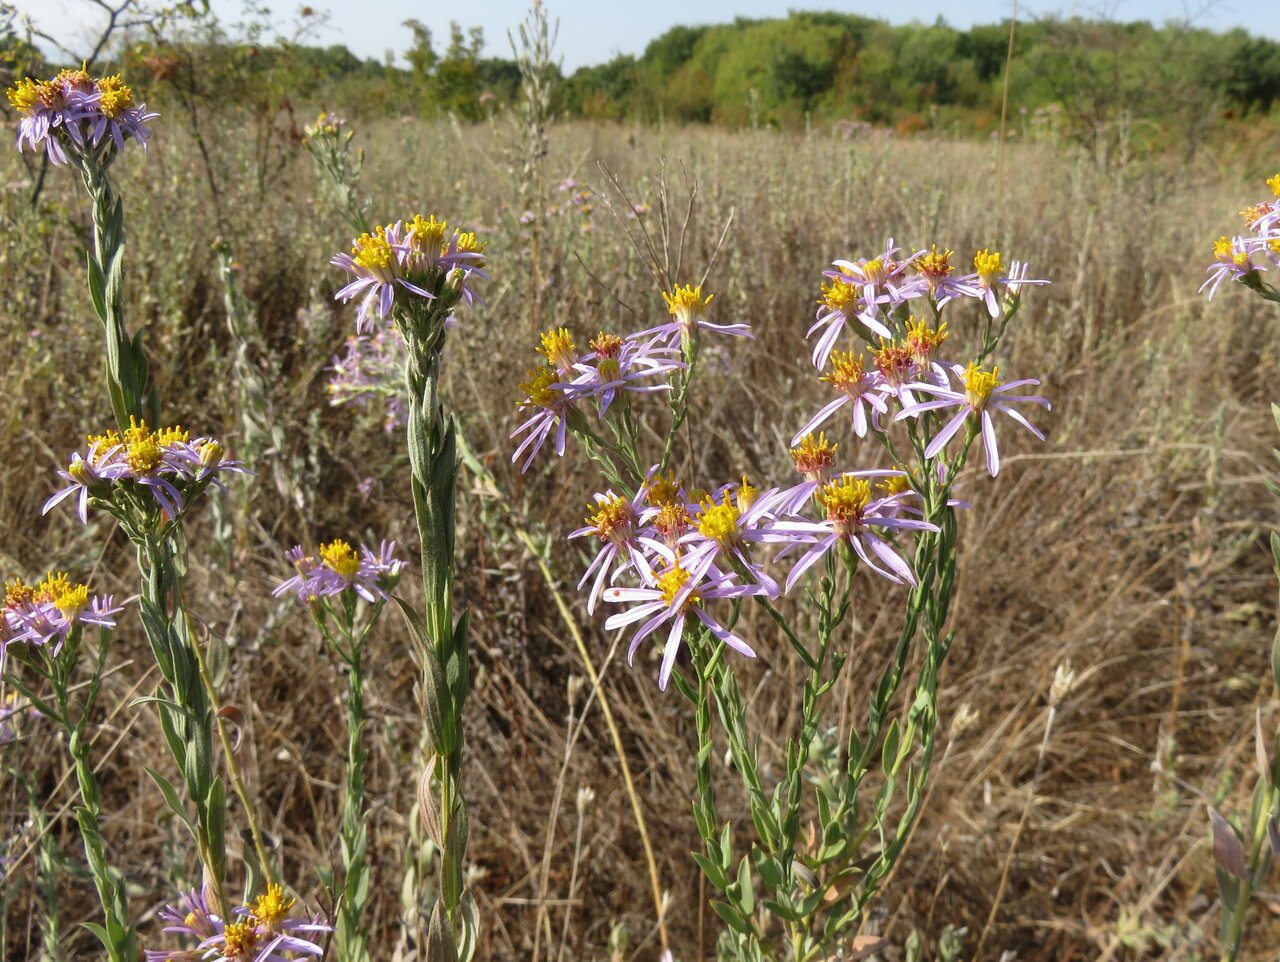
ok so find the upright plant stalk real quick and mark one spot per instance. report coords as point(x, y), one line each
point(129, 383)
point(433, 466)
point(57, 667)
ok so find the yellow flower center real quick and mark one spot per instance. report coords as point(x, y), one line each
point(746, 494)
point(116, 96)
point(241, 939)
point(557, 347)
point(1274, 184)
point(813, 455)
point(839, 295)
point(987, 264)
point(875, 271)
point(467, 244)
point(672, 520)
point(426, 237)
point(612, 518)
point(923, 340)
point(894, 361)
point(896, 484)
point(671, 581)
point(272, 906)
point(538, 387)
point(17, 593)
point(686, 300)
point(25, 95)
point(340, 557)
point(664, 489)
point(606, 345)
point(847, 372)
point(373, 252)
point(934, 267)
point(845, 499)
point(719, 522)
point(978, 384)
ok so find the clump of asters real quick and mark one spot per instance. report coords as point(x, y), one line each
point(46, 613)
point(77, 113)
point(263, 930)
point(337, 567)
point(127, 473)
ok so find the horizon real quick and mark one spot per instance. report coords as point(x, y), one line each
point(581, 25)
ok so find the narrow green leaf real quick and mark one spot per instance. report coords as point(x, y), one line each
point(732, 917)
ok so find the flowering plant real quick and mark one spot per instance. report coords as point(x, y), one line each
point(682, 559)
point(1240, 870)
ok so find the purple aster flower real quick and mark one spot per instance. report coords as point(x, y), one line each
point(549, 399)
point(723, 531)
point(1233, 257)
point(860, 390)
point(87, 111)
point(336, 567)
point(852, 512)
point(47, 613)
point(375, 260)
point(166, 462)
point(935, 271)
point(982, 394)
point(263, 931)
point(990, 272)
point(685, 305)
point(615, 365)
point(676, 595)
point(615, 520)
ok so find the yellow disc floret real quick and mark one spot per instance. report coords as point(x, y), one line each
point(987, 264)
point(814, 455)
point(895, 361)
point(664, 489)
point(934, 267)
point(839, 295)
point(876, 271)
point(896, 484)
point(240, 940)
point(978, 384)
point(719, 522)
point(272, 907)
point(612, 518)
point(25, 95)
point(373, 252)
point(1274, 184)
point(538, 389)
point(848, 374)
point(686, 300)
point(426, 236)
point(671, 581)
point(746, 494)
point(845, 499)
point(116, 96)
point(17, 593)
point(557, 347)
point(606, 346)
point(69, 598)
point(340, 557)
point(923, 340)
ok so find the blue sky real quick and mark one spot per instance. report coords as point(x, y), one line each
point(593, 32)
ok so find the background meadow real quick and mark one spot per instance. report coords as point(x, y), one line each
point(1130, 548)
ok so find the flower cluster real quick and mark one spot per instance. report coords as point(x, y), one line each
point(326, 125)
point(689, 547)
point(336, 568)
point(566, 380)
point(77, 112)
point(1243, 257)
point(167, 464)
point(260, 931)
point(907, 370)
point(870, 290)
point(420, 258)
point(44, 614)
point(372, 367)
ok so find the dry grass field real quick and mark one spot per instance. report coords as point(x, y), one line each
point(1131, 547)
